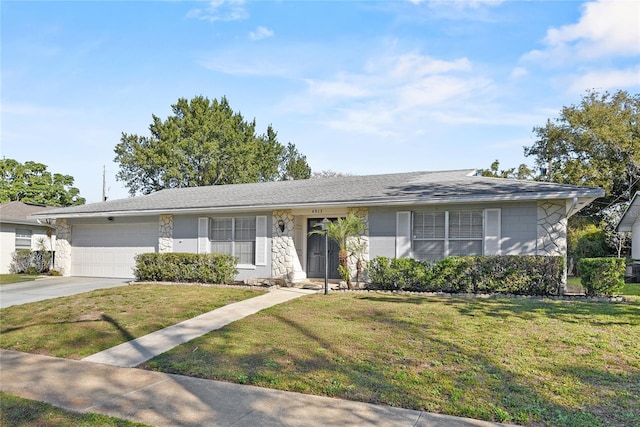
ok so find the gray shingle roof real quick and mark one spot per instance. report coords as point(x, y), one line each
point(20, 213)
point(372, 190)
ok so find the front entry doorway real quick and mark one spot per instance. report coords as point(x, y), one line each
point(315, 253)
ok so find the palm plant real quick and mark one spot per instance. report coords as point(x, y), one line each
point(340, 231)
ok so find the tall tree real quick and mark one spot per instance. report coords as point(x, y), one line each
point(31, 182)
point(294, 165)
point(595, 143)
point(522, 172)
point(204, 142)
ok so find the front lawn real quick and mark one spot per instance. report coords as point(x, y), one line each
point(16, 411)
point(80, 325)
point(523, 361)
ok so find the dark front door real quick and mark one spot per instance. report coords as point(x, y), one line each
point(315, 253)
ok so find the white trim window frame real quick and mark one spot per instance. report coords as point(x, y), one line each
point(440, 234)
point(23, 239)
point(465, 232)
point(429, 240)
point(234, 236)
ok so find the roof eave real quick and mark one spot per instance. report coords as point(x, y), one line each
point(590, 194)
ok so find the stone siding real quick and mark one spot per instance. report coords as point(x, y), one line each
point(283, 248)
point(552, 228)
point(63, 247)
point(165, 233)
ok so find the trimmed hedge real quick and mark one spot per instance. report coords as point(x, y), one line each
point(186, 267)
point(510, 274)
point(601, 276)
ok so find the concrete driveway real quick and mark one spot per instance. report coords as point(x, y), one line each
point(53, 287)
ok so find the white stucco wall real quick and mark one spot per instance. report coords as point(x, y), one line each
point(8, 242)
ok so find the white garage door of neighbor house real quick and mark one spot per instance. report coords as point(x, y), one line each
point(109, 250)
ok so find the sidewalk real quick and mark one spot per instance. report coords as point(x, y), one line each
point(159, 399)
point(140, 350)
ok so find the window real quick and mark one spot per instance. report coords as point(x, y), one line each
point(447, 233)
point(428, 235)
point(23, 239)
point(234, 236)
point(465, 233)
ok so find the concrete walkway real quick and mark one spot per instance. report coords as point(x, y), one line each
point(159, 399)
point(140, 350)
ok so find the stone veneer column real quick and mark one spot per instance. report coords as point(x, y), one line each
point(284, 258)
point(552, 233)
point(63, 247)
point(552, 228)
point(165, 233)
point(363, 240)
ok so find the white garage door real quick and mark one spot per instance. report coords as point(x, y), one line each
point(109, 250)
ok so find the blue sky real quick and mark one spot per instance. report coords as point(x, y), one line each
point(360, 87)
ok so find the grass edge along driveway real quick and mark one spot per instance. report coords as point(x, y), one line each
point(80, 325)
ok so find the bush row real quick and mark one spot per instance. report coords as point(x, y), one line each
point(186, 267)
point(519, 275)
point(601, 276)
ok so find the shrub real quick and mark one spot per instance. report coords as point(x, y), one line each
point(30, 262)
point(520, 275)
point(186, 267)
point(601, 276)
point(397, 273)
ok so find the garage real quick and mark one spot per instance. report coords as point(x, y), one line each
point(108, 250)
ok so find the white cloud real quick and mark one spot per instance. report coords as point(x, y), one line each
point(392, 91)
point(220, 10)
point(260, 33)
point(336, 89)
point(606, 80)
point(519, 72)
point(462, 4)
point(606, 28)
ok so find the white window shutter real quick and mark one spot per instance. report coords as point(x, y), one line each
point(403, 234)
point(492, 231)
point(261, 240)
point(203, 236)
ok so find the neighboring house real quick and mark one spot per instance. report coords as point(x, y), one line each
point(19, 231)
point(425, 215)
point(630, 221)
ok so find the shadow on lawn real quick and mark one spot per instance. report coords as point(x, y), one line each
point(461, 381)
point(530, 308)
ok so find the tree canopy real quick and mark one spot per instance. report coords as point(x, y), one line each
point(522, 172)
point(204, 142)
point(31, 182)
point(595, 143)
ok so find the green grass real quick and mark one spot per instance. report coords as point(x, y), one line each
point(6, 279)
point(16, 411)
point(80, 325)
point(522, 361)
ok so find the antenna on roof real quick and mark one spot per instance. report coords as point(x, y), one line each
point(104, 183)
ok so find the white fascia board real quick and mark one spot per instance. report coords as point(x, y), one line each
point(590, 194)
